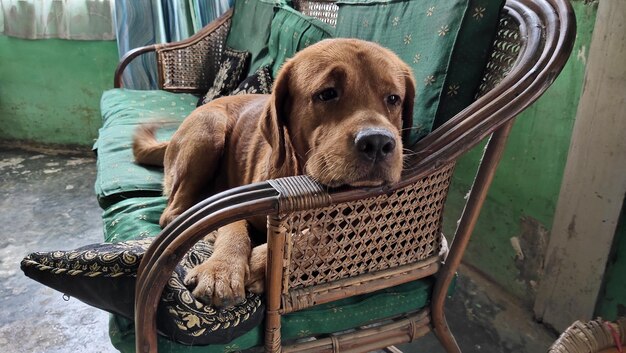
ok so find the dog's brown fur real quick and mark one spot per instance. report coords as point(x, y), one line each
point(251, 138)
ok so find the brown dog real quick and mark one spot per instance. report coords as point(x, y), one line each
point(336, 113)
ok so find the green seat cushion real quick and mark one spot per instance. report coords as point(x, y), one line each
point(291, 32)
point(132, 219)
point(118, 176)
point(446, 42)
point(137, 218)
point(120, 106)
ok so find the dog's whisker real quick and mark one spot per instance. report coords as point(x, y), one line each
point(410, 128)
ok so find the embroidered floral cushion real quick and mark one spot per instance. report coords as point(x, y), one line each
point(233, 66)
point(119, 177)
point(446, 42)
point(258, 83)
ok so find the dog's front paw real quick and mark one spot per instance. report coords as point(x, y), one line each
point(218, 281)
point(258, 260)
point(167, 216)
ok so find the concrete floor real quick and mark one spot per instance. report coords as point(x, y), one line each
point(48, 203)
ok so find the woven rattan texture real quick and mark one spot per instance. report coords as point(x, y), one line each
point(367, 235)
point(193, 67)
point(589, 337)
point(323, 10)
point(506, 47)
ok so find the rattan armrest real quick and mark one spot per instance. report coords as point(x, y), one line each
point(188, 65)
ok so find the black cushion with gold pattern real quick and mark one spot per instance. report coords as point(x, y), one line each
point(233, 66)
point(103, 275)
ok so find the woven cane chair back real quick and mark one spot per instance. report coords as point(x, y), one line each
point(191, 66)
point(324, 10)
point(591, 337)
point(504, 53)
point(368, 235)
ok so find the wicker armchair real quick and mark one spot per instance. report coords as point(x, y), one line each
point(372, 237)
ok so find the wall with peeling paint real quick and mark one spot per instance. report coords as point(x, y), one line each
point(512, 233)
point(50, 89)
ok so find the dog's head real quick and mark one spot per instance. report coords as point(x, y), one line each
point(337, 112)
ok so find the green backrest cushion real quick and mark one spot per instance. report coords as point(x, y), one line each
point(250, 30)
point(446, 42)
point(291, 32)
point(272, 32)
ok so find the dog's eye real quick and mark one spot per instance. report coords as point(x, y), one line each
point(327, 94)
point(393, 99)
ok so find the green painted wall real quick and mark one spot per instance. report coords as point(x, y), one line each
point(523, 196)
point(50, 89)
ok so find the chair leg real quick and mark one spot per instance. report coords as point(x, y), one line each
point(272, 340)
point(442, 331)
point(392, 349)
point(469, 217)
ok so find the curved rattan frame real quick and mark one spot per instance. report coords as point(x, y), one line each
point(212, 35)
point(547, 28)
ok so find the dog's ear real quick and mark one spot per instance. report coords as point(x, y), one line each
point(273, 124)
point(409, 101)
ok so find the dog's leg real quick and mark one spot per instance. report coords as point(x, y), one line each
point(258, 260)
point(221, 279)
point(192, 161)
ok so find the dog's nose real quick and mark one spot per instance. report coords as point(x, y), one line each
point(375, 144)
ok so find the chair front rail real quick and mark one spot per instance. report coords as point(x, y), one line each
point(403, 329)
point(299, 299)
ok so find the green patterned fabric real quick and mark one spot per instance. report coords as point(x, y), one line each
point(135, 218)
point(250, 30)
point(118, 176)
point(291, 32)
point(469, 57)
point(431, 37)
